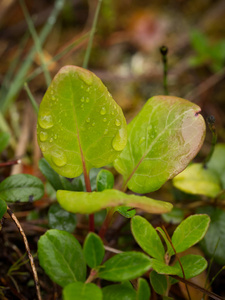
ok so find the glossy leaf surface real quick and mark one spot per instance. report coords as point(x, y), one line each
point(217, 162)
point(58, 218)
point(80, 290)
point(61, 256)
point(3, 208)
point(118, 291)
point(127, 212)
point(105, 180)
point(80, 126)
point(147, 237)
point(158, 282)
point(213, 243)
point(143, 290)
point(162, 139)
point(82, 202)
point(190, 231)
point(22, 188)
point(125, 266)
point(4, 140)
point(195, 179)
point(93, 250)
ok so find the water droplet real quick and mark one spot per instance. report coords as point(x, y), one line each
point(113, 113)
point(43, 148)
point(43, 136)
point(106, 131)
point(103, 111)
point(52, 92)
point(51, 140)
point(87, 99)
point(82, 106)
point(88, 89)
point(142, 139)
point(53, 98)
point(59, 158)
point(88, 120)
point(114, 106)
point(104, 120)
point(117, 122)
point(82, 99)
point(45, 121)
point(86, 76)
point(149, 127)
point(55, 136)
point(93, 124)
point(120, 140)
point(82, 86)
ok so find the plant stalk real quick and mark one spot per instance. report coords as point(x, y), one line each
point(92, 33)
point(164, 51)
point(106, 223)
point(36, 281)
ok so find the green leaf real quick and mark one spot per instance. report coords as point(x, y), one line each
point(175, 216)
point(105, 180)
point(93, 250)
point(169, 247)
point(193, 265)
point(80, 290)
point(88, 203)
point(162, 268)
point(4, 140)
point(143, 290)
point(162, 139)
point(80, 126)
point(147, 237)
point(125, 266)
point(190, 232)
point(22, 188)
point(199, 42)
point(213, 243)
point(61, 256)
point(58, 218)
point(3, 208)
point(127, 212)
point(217, 162)
point(158, 282)
point(197, 180)
point(118, 291)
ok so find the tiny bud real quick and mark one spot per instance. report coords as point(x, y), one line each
point(211, 120)
point(164, 50)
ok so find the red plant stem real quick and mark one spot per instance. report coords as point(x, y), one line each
point(106, 223)
point(10, 163)
point(88, 189)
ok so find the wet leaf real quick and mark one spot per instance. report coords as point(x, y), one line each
point(88, 203)
point(80, 126)
point(125, 266)
point(147, 237)
point(22, 188)
point(80, 290)
point(93, 250)
point(61, 256)
point(197, 180)
point(190, 231)
point(58, 218)
point(162, 139)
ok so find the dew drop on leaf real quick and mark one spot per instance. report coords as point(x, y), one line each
point(88, 120)
point(141, 141)
point(59, 158)
point(120, 140)
point(87, 99)
point(103, 111)
point(82, 99)
point(117, 122)
point(51, 140)
point(45, 121)
point(93, 124)
point(55, 136)
point(106, 131)
point(104, 120)
point(43, 136)
point(43, 148)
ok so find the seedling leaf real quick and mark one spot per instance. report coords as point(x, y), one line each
point(80, 290)
point(118, 291)
point(61, 256)
point(147, 237)
point(143, 290)
point(105, 180)
point(158, 282)
point(125, 266)
point(88, 203)
point(93, 250)
point(80, 126)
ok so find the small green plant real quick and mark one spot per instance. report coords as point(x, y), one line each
point(82, 129)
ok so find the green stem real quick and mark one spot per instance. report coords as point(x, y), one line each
point(92, 33)
point(106, 223)
point(164, 51)
point(36, 41)
point(30, 96)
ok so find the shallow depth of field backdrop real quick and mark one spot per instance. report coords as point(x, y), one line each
point(126, 56)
